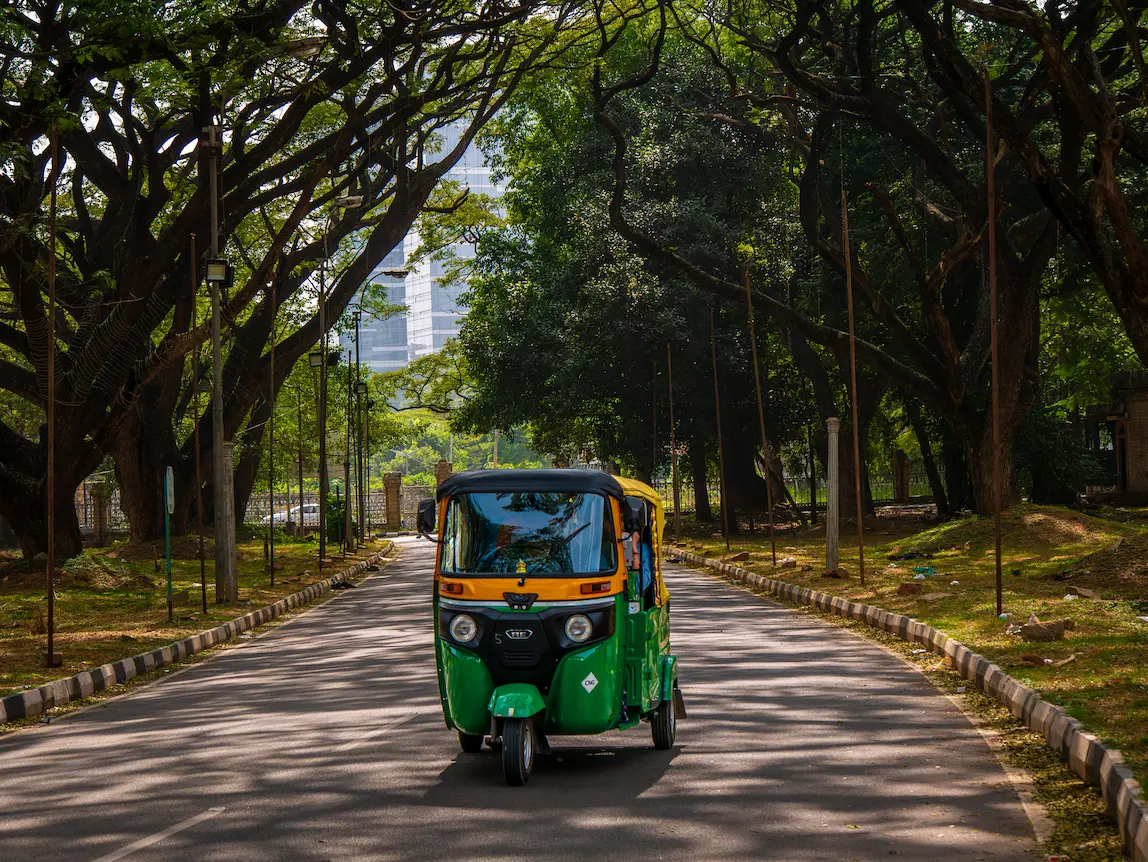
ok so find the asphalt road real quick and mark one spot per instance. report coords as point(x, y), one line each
point(323, 740)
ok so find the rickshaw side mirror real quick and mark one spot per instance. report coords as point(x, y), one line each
point(426, 518)
point(633, 515)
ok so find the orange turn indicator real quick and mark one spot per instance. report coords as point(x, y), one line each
point(453, 589)
point(600, 587)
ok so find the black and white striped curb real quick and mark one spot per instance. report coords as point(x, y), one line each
point(1086, 755)
point(29, 704)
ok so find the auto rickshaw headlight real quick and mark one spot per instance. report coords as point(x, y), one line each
point(579, 628)
point(463, 628)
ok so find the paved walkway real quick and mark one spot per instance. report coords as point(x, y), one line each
point(324, 740)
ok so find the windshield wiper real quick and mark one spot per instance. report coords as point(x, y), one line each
point(562, 544)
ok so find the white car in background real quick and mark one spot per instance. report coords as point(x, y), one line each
point(310, 516)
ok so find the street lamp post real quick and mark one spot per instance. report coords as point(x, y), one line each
point(360, 388)
point(345, 202)
point(219, 275)
point(360, 391)
point(316, 361)
point(367, 461)
point(302, 502)
point(348, 509)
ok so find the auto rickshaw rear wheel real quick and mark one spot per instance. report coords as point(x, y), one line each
point(664, 724)
point(471, 742)
point(517, 750)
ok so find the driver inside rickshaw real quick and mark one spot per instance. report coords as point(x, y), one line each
point(642, 562)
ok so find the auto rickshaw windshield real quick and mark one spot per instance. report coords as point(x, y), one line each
point(535, 533)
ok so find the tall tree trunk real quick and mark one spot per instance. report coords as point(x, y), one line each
point(935, 484)
point(956, 478)
point(747, 490)
point(699, 467)
point(25, 509)
point(142, 452)
point(980, 460)
point(24, 493)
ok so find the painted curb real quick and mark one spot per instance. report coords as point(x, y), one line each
point(1087, 757)
point(33, 702)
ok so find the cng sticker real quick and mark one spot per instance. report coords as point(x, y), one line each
point(589, 682)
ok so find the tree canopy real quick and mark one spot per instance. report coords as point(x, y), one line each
point(314, 102)
point(818, 111)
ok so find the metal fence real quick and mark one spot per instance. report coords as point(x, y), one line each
point(286, 506)
point(89, 499)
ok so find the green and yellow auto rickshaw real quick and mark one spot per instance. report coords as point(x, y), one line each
point(551, 614)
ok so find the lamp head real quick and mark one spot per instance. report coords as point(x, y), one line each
point(315, 359)
point(219, 271)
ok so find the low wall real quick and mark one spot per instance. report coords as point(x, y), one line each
point(1086, 755)
point(33, 702)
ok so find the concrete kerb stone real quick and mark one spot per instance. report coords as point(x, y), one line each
point(1139, 849)
point(1085, 755)
point(33, 702)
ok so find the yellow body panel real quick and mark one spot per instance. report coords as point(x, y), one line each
point(634, 488)
point(548, 589)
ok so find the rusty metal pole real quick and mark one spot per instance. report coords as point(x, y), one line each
point(654, 444)
point(302, 528)
point(674, 452)
point(990, 180)
point(348, 508)
point(720, 448)
point(51, 407)
point(195, 389)
point(765, 450)
point(812, 480)
point(271, 291)
point(853, 389)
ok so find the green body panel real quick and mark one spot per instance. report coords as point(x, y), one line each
point(438, 663)
point(647, 641)
point(515, 700)
point(636, 657)
point(657, 647)
point(637, 695)
point(582, 709)
point(468, 687)
point(669, 676)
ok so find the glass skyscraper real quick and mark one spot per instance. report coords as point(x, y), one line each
point(434, 313)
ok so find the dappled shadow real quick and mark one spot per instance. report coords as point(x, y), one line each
point(803, 742)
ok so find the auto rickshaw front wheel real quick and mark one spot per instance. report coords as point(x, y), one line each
point(664, 724)
point(471, 742)
point(517, 750)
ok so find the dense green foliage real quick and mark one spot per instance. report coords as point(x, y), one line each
point(697, 143)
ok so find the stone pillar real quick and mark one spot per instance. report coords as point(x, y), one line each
point(392, 490)
point(833, 491)
point(226, 573)
point(442, 470)
point(900, 478)
point(100, 504)
point(1136, 441)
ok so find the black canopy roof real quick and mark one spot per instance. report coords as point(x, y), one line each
point(504, 481)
